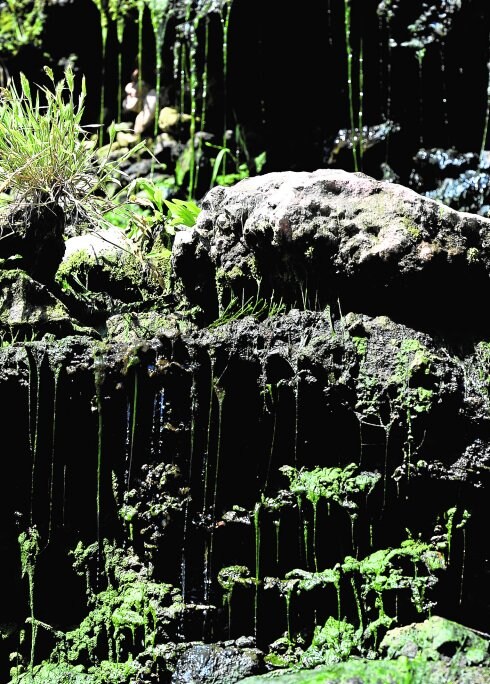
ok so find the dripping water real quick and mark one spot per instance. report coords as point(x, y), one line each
point(461, 582)
point(140, 4)
point(205, 76)
point(34, 362)
point(220, 393)
point(53, 449)
point(277, 525)
point(257, 564)
point(315, 557)
point(225, 24)
point(120, 37)
point(487, 117)
point(347, 27)
point(183, 565)
point(361, 100)
point(445, 116)
point(420, 61)
point(193, 44)
point(161, 419)
point(104, 25)
point(329, 23)
point(159, 19)
point(204, 96)
point(133, 427)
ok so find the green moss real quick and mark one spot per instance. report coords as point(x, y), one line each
point(53, 673)
point(401, 671)
point(332, 643)
point(131, 613)
point(438, 639)
point(120, 274)
point(21, 23)
point(472, 255)
point(360, 344)
point(411, 227)
point(334, 485)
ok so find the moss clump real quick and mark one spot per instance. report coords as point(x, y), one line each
point(334, 485)
point(437, 639)
point(118, 274)
point(332, 643)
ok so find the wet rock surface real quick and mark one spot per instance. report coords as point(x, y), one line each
point(312, 475)
point(214, 664)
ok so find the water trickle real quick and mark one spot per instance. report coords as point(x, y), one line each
point(117, 11)
point(462, 526)
point(140, 4)
point(193, 81)
point(385, 26)
point(306, 531)
point(220, 394)
point(161, 419)
point(358, 603)
point(208, 439)
point(98, 380)
point(361, 101)
point(289, 592)
point(225, 23)
point(487, 117)
point(104, 26)
point(315, 557)
point(205, 76)
point(257, 564)
point(420, 61)
point(445, 115)
point(29, 551)
point(63, 506)
point(56, 375)
point(34, 386)
point(159, 15)
point(277, 526)
point(348, 48)
point(268, 395)
point(296, 412)
point(329, 23)
point(133, 427)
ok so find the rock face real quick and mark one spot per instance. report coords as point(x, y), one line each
point(326, 236)
point(314, 476)
point(212, 664)
point(28, 309)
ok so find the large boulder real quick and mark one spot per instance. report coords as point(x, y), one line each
point(315, 238)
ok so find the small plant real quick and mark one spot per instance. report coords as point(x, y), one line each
point(182, 212)
point(50, 172)
point(241, 170)
point(258, 308)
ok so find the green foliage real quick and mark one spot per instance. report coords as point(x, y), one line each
point(182, 212)
point(332, 643)
point(338, 485)
point(46, 158)
point(133, 605)
point(232, 575)
point(142, 217)
point(256, 307)
point(21, 23)
point(241, 170)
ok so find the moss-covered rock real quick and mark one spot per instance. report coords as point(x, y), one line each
point(437, 639)
point(401, 671)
